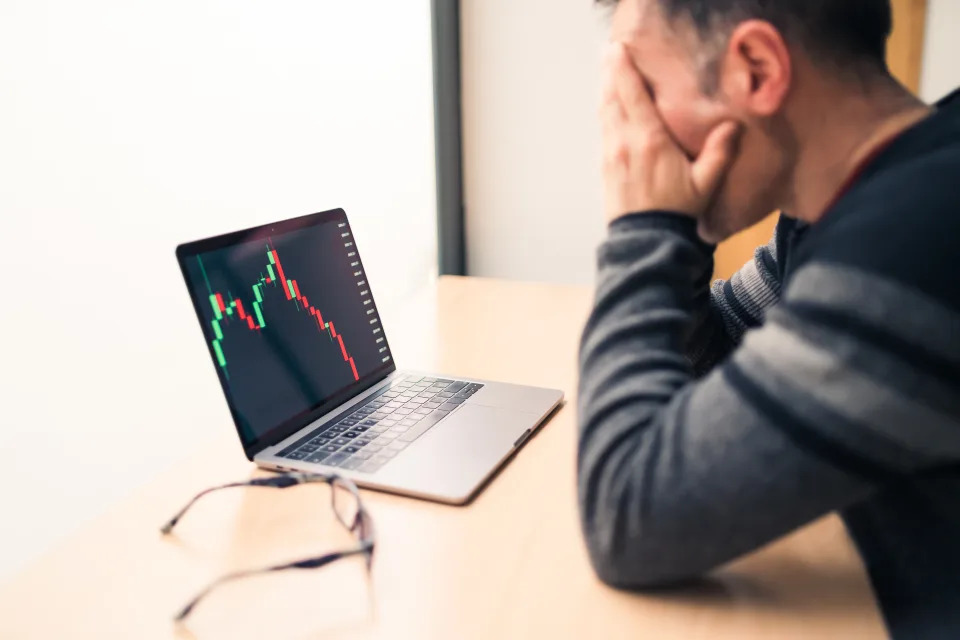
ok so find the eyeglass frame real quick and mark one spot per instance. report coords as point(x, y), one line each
point(362, 527)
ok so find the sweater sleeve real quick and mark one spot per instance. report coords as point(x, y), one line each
point(678, 475)
point(724, 311)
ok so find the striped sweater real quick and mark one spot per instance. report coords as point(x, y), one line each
point(824, 376)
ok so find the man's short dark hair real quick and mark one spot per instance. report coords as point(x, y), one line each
point(839, 33)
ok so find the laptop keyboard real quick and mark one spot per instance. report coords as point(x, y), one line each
point(374, 433)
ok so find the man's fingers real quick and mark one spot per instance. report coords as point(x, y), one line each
point(611, 115)
point(719, 152)
point(609, 83)
point(630, 86)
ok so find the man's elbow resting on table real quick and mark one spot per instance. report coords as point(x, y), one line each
point(627, 549)
point(648, 563)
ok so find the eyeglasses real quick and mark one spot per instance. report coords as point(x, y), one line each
point(346, 504)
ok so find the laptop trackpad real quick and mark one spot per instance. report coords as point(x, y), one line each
point(453, 457)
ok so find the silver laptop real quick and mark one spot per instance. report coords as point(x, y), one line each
point(302, 355)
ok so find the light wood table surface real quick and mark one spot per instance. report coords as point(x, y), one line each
point(510, 565)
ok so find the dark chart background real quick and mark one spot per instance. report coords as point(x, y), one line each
point(280, 363)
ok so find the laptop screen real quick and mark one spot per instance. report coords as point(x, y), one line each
point(289, 320)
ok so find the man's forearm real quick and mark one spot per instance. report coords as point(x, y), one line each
point(653, 287)
point(675, 474)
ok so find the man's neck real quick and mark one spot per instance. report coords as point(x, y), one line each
point(844, 132)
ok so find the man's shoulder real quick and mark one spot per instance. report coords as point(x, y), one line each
point(902, 223)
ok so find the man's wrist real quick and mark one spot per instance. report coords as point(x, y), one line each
point(649, 209)
point(677, 222)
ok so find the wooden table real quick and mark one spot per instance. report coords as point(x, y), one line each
point(512, 564)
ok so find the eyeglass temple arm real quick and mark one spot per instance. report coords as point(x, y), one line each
point(311, 563)
point(276, 482)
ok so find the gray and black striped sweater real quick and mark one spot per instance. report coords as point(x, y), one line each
point(824, 376)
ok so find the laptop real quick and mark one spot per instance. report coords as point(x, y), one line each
point(289, 318)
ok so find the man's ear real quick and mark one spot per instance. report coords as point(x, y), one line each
point(756, 71)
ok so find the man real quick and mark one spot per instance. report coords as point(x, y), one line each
point(825, 375)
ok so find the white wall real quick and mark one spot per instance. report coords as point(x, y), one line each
point(941, 53)
point(128, 126)
point(531, 141)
